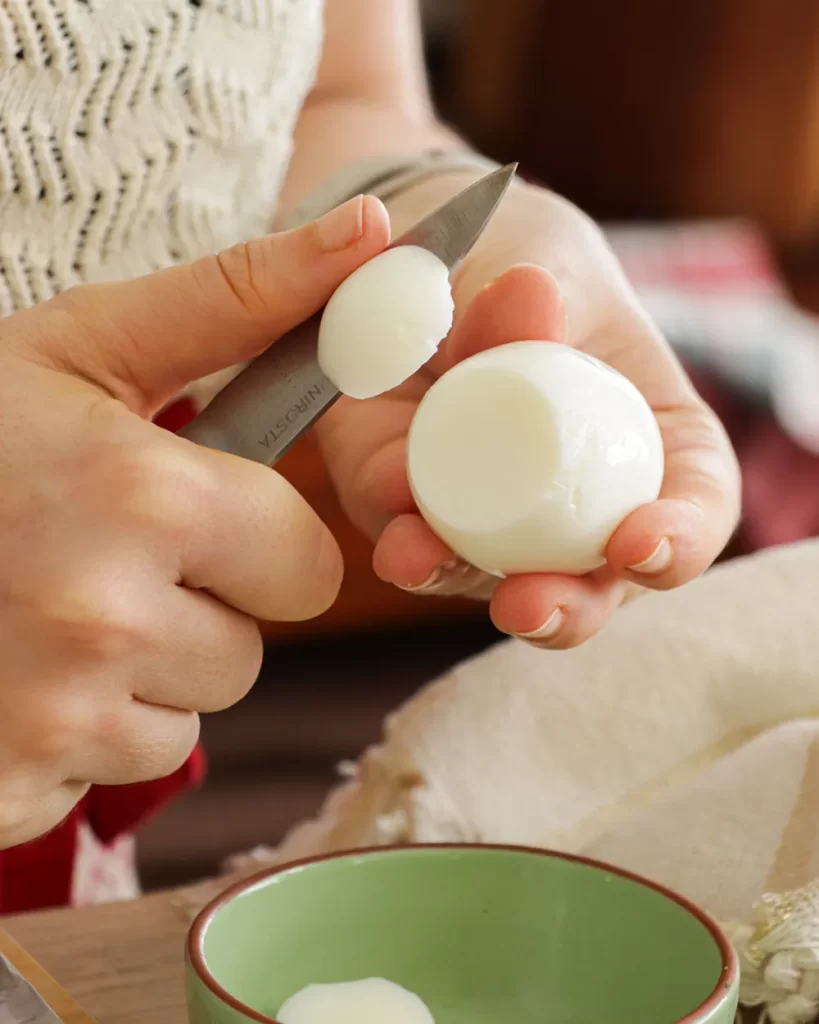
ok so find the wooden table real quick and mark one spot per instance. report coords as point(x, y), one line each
point(123, 962)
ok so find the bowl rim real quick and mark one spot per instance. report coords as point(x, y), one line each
point(195, 943)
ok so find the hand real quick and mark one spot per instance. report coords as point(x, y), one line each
point(132, 562)
point(542, 270)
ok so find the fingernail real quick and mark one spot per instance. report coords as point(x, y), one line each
point(550, 628)
point(445, 573)
point(342, 226)
point(430, 581)
point(658, 561)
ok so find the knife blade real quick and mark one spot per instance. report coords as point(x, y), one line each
point(281, 394)
point(19, 1002)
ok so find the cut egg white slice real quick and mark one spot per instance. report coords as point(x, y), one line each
point(527, 457)
point(370, 1001)
point(385, 321)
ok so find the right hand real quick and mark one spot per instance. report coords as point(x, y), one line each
point(133, 564)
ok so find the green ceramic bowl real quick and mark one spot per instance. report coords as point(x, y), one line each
point(483, 934)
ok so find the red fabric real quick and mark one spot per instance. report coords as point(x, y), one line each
point(780, 486)
point(177, 415)
point(780, 480)
point(39, 875)
point(112, 811)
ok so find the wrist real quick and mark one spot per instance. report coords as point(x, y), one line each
point(391, 177)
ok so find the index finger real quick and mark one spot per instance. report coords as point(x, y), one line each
point(255, 543)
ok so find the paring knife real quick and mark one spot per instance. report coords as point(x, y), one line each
point(19, 1002)
point(281, 394)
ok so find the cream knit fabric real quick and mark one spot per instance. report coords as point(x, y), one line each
point(139, 133)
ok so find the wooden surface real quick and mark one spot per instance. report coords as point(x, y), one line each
point(663, 109)
point(122, 962)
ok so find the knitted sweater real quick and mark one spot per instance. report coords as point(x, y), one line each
point(139, 133)
point(134, 134)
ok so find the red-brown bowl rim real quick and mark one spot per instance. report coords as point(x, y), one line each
point(196, 935)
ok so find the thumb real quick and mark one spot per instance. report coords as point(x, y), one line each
point(145, 339)
point(523, 303)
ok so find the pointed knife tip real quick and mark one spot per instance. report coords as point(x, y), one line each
point(504, 175)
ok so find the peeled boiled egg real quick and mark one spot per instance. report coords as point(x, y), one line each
point(526, 458)
point(385, 321)
point(371, 1001)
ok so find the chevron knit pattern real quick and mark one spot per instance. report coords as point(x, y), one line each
point(135, 134)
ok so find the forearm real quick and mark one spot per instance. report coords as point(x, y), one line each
point(371, 100)
point(334, 133)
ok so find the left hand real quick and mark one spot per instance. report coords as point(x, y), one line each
point(543, 270)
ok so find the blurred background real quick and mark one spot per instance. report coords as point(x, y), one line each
point(691, 130)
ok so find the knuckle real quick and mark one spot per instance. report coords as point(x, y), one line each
point(72, 305)
point(83, 313)
point(234, 666)
point(148, 468)
point(17, 820)
point(161, 487)
point(73, 299)
point(14, 818)
point(53, 736)
point(98, 623)
point(325, 570)
point(156, 753)
point(68, 315)
point(34, 810)
point(241, 270)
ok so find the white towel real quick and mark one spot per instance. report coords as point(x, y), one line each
point(682, 743)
